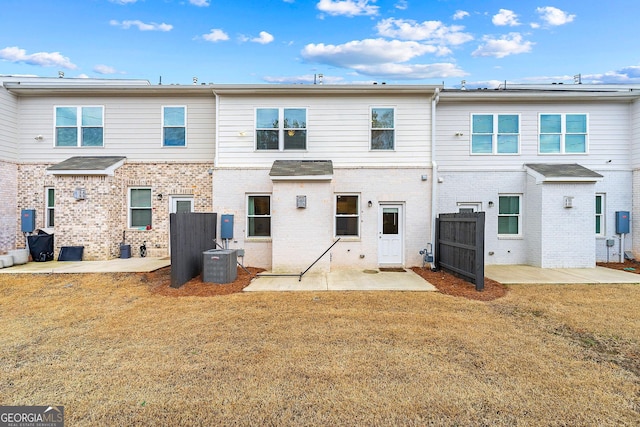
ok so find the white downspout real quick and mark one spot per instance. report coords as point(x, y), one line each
point(434, 171)
point(216, 133)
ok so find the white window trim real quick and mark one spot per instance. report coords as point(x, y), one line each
point(186, 136)
point(494, 135)
point(371, 128)
point(47, 223)
point(603, 216)
point(281, 129)
point(129, 208)
point(475, 206)
point(78, 126)
point(270, 216)
point(519, 215)
point(563, 133)
point(336, 216)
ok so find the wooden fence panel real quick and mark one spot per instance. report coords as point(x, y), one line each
point(460, 245)
point(191, 235)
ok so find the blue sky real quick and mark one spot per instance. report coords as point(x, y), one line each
point(483, 42)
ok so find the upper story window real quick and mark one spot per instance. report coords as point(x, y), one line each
point(79, 126)
point(382, 128)
point(495, 134)
point(563, 133)
point(281, 129)
point(174, 126)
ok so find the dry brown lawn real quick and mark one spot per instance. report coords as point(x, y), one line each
point(114, 351)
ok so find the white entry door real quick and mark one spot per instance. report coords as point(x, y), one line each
point(391, 235)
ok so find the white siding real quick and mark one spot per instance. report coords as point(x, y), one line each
point(132, 128)
point(609, 135)
point(635, 134)
point(337, 129)
point(8, 126)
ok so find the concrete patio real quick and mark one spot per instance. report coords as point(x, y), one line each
point(118, 265)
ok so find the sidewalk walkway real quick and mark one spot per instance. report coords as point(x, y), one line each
point(521, 274)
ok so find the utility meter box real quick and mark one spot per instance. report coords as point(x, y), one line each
point(622, 222)
point(226, 226)
point(28, 220)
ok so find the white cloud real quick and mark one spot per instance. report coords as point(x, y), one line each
point(123, 1)
point(402, 5)
point(505, 17)
point(307, 78)
point(264, 38)
point(104, 69)
point(368, 51)
point(554, 16)
point(43, 59)
point(215, 35)
point(429, 31)
point(411, 71)
point(460, 14)
point(348, 7)
point(199, 3)
point(626, 75)
point(506, 45)
point(142, 26)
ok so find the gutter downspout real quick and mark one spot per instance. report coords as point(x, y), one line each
point(434, 173)
point(216, 134)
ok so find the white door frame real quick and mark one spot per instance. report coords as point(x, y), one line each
point(391, 249)
point(173, 203)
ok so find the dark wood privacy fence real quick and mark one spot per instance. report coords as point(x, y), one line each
point(191, 235)
point(460, 245)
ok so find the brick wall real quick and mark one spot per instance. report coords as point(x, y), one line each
point(8, 199)
point(98, 221)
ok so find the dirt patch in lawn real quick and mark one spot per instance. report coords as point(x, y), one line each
point(451, 285)
point(160, 284)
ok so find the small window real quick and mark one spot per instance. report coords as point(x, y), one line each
point(174, 126)
point(563, 133)
point(79, 126)
point(281, 129)
point(347, 215)
point(495, 134)
point(509, 215)
point(600, 210)
point(259, 216)
point(140, 207)
point(49, 216)
point(382, 128)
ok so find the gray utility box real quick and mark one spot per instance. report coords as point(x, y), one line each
point(219, 265)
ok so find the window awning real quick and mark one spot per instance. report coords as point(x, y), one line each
point(550, 172)
point(301, 170)
point(86, 165)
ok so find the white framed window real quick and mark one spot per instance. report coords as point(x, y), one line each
point(495, 133)
point(174, 126)
point(509, 215)
point(469, 207)
point(347, 219)
point(281, 129)
point(563, 133)
point(79, 126)
point(259, 215)
point(600, 215)
point(50, 205)
point(140, 210)
point(382, 129)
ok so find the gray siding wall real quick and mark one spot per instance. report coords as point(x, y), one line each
point(8, 125)
point(635, 133)
point(337, 129)
point(609, 135)
point(132, 128)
